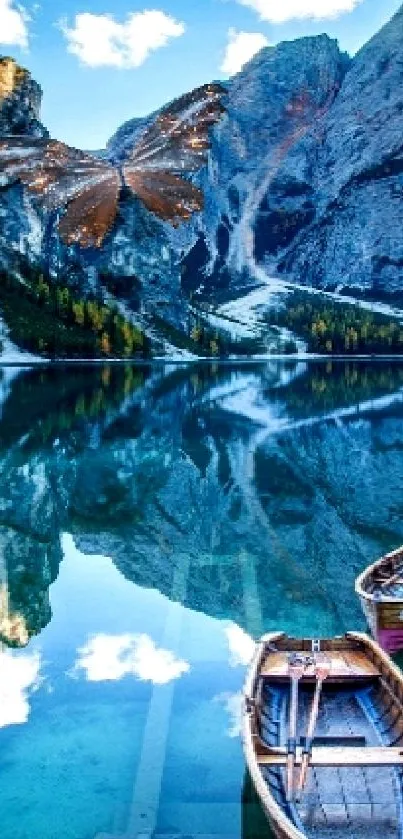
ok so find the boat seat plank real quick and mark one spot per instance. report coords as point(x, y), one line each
point(397, 577)
point(339, 756)
point(349, 664)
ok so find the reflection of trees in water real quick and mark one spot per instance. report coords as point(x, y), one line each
point(45, 407)
point(147, 465)
point(332, 385)
point(49, 401)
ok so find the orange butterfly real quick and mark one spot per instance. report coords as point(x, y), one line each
point(89, 187)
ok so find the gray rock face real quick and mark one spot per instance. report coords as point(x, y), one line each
point(271, 104)
point(354, 158)
point(310, 162)
point(20, 101)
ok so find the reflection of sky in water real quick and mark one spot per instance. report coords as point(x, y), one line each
point(86, 761)
point(122, 716)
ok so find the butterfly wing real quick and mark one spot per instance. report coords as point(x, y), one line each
point(176, 143)
point(167, 196)
point(88, 187)
point(60, 176)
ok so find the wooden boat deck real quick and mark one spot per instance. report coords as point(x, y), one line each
point(359, 802)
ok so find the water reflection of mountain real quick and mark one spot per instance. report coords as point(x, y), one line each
point(29, 545)
point(264, 484)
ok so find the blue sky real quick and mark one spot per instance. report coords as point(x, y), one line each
point(101, 63)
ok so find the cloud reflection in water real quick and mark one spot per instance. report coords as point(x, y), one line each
point(232, 704)
point(19, 677)
point(241, 645)
point(111, 657)
point(241, 650)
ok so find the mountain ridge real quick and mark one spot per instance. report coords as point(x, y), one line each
point(303, 184)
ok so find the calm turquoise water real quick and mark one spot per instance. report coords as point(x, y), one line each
point(153, 522)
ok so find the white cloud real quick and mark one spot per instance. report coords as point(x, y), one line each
point(233, 704)
point(13, 24)
point(241, 645)
point(111, 657)
point(19, 676)
point(278, 11)
point(100, 41)
point(241, 47)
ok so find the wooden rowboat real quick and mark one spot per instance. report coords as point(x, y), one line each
point(380, 589)
point(354, 783)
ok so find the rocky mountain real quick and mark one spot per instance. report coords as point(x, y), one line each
point(304, 183)
point(310, 163)
point(272, 104)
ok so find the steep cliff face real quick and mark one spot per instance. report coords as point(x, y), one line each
point(21, 232)
point(310, 164)
point(20, 101)
point(271, 105)
point(354, 166)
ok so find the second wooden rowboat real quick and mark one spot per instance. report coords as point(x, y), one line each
point(354, 785)
point(380, 589)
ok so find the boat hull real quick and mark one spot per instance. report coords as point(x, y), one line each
point(340, 776)
point(381, 597)
point(385, 621)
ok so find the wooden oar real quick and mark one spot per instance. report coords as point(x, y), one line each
point(322, 670)
point(296, 668)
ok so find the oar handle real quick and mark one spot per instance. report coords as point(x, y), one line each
point(307, 741)
point(293, 705)
point(295, 676)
